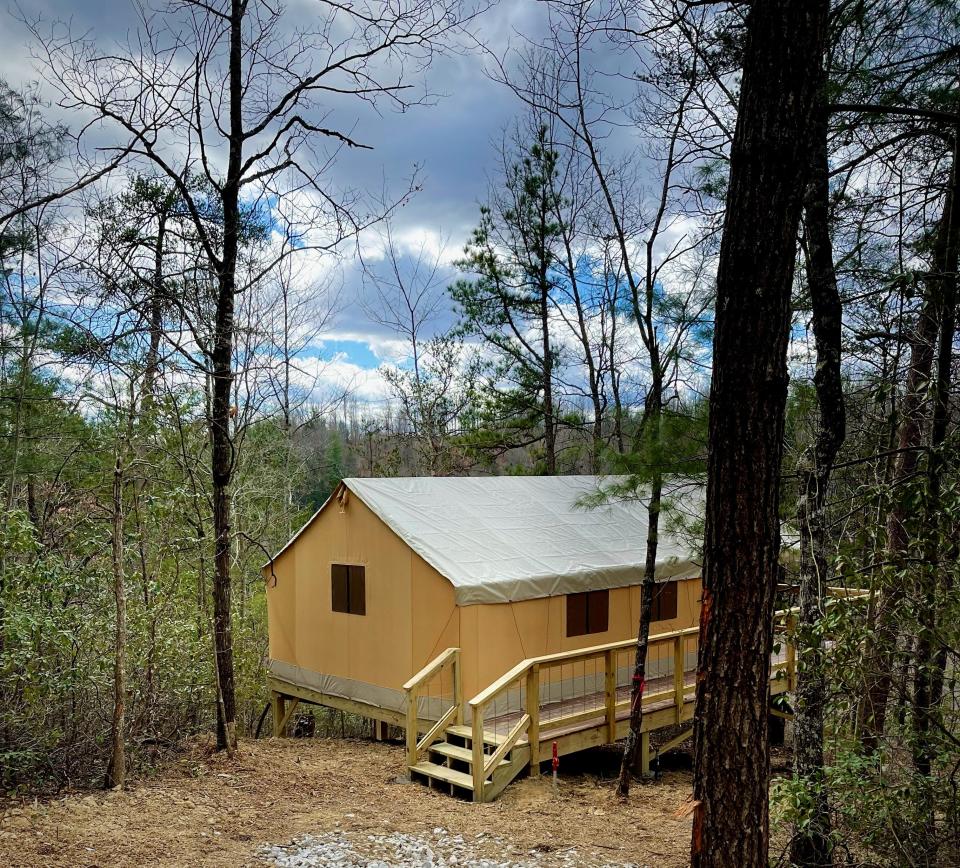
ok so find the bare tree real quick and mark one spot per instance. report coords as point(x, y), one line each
point(559, 81)
point(811, 845)
point(232, 92)
point(434, 383)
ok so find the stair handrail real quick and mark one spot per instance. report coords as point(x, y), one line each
point(416, 746)
point(528, 669)
point(529, 721)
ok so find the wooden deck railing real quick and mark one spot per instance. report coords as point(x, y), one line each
point(601, 701)
point(419, 686)
point(526, 681)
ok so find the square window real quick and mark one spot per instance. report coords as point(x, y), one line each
point(348, 591)
point(588, 612)
point(664, 604)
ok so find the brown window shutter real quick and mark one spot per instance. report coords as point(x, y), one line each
point(576, 614)
point(358, 590)
point(664, 602)
point(598, 612)
point(339, 588)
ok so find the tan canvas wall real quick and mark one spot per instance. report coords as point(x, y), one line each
point(436, 616)
point(374, 648)
point(495, 637)
point(411, 611)
point(281, 607)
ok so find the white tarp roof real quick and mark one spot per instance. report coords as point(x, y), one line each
point(506, 538)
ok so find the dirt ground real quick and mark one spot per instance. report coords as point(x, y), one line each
point(283, 802)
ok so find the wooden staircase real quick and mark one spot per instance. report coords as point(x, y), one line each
point(449, 764)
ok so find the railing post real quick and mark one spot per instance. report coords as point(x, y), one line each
point(458, 686)
point(678, 671)
point(478, 757)
point(533, 709)
point(610, 693)
point(412, 726)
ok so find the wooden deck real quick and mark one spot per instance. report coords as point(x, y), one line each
point(566, 702)
point(569, 701)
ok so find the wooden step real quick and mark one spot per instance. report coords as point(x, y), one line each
point(454, 751)
point(444, 773)
point(463, 731)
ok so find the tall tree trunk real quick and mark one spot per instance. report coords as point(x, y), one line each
point(882, 650)
point(631, 761)
point(768, 172)
point(549, 420)
point(151, 367)
point(117, 767)
point(811, 845)
point(928, 683)
point(597, 402)
point(222, 359)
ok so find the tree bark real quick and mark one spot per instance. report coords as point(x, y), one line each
point(768, 172)
point(811, 846)
point(549, 420)
point(117, 766)
point(928, 681)
point(632, 759)
point(882, 649)
point(222, 362)
point(151, 367)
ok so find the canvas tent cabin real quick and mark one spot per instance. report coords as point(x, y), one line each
point(391, 572)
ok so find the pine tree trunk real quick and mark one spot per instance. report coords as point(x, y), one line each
point(928, 678)
point(152, 364)
point(632, 758)
point(811, 845)
point(768, 173)
point(549, 422)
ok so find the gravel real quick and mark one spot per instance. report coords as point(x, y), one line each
point(441, 849)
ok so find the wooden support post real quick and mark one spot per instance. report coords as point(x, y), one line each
point(458, 686)
point(610, 694)
point(678, 667)
point(412, 727)
point(278, 703)
point(533, 710)
point(288, 713)
point(645, 754)
point(478, 757)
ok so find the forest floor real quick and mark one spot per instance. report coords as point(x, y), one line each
point(345, 802)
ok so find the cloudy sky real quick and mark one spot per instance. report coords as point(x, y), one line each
point(452, 143)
